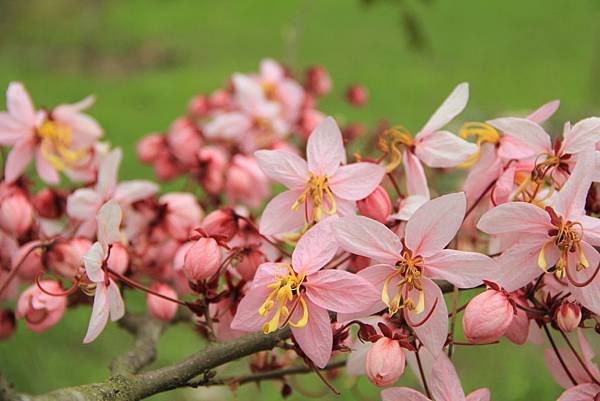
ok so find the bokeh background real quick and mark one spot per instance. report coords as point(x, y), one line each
point(144, 59)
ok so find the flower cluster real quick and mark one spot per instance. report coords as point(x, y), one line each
point(354, 256)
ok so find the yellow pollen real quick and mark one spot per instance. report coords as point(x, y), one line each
point(567, 238)
point(409, 270)
point(392, 142)
point(318, 190)
point(285, 292)
point(56, 140)
point(483, 133)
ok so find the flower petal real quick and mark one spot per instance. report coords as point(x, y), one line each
point(463, 269)
point(525, 130)
point(452, 106)
point(444, 149)
point(19, 157)
point(570, 200)
point(45, 170)
point(83, 204)
point(19, 104)
point(515, 217)
point(402, 394)
point(115, 301)
point(356, 181)
point(316, 338)
point(133, 191)
point(445, 385)
point(341, 291)
point(588, 295)
point(92, 261)
point(247, 317)
point(108, 171)
point(416, 181)
point(583, 135)
point(100, 312)
point(582, 392)
point(435, 223)
point(109, 220)
point(367, 237)
point(325, 148)
point(481, 394)
point(278, 217)
point(315, 248)
point(285, 167)
point(544, 112)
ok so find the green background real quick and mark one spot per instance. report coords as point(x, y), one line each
point(145, 59)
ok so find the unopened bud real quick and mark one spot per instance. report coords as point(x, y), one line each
point(160, 308)
point(568, 317)
point(377, 205)
point(202, 260)
point(385, 362)
point(487, 317)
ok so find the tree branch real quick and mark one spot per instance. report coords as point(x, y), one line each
point(147, 333)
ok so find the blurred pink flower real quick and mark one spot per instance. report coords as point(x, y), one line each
point(41, 311)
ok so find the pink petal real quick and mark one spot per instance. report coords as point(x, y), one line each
point(92, 261)
point(445, 385)
point(19, 104)
point(483, 174)
point(108, 171)
point(525, 130)
point(132, 191)
point(402, 394)
point(434, 331)
point(515, 217)
point(284, 167)
point(247, 317)
point(408, 206)
point(315, 248)
point(341, 291)
point(366, 237)
point(582, 392)
point(316, 338)
point(505, 186)
point(463, 269)
point(588, 296)
point(444, 149)
point(99, 317)
point(591, 229)
point(435, 223)
point(325, 148)
point(115, 301)
point(83, 204)
point(583, 135)
point(278, 217)
point(356, 181)
point(452, 106)
point(45, 170)
point(109, 220)
point(18, 159)
point(416, 181)
point(544, 112)
point(570, 200)
point(11, 131)
point(482, 394)
point(513, 148)
point(355, 364)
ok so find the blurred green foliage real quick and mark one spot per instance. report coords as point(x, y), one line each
point(145, 59)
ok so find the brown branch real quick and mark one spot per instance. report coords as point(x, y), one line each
point(7, 392)
point(143, 352)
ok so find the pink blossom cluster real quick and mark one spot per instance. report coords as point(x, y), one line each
point(353, 255)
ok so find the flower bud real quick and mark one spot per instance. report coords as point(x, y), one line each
point(165, 167)
point(150, 147)
point(221, 222)
point(16, 214)
point(49, 204)
point(568, 317)
point(357, 95)
point(220, 99)
point(119, 258)
point(318, 80)
point(184, 141)
point(40, 310)
point(202, 260)
point(7, 324)
point(182, 214)
point(385, 362)
point(29, 259)
point(160, 308)
point(66, 258)
point(199, 106)
point(518, 331)
point(487, 317)
point(249, 263)
point(245, 182)
point(212, 161)
point(377, 205)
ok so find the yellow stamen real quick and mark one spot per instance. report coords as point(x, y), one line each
point(318, 190)
point(483, 133)
point(409, 270)
point(55, 146)
point(392, 142)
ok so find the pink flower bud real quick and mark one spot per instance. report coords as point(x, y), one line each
point(385, 362)
point(160, 308)
point(182, 213)
point(41, 311)
point(7, 324)
point(220, 99)
point(568, 317)
point(357, 95)
point(49, 203)
point(165, 167)
point(518, 331)
point(29, 258)
point(487, 317)
point(16, 214)
point(119, 258)
point(377, 205)
point(184, 140)
point(202, 260)
point(199, 106)
point(150, 147)
point(245, 182)
point(221, 222)
point(212, 161)
point(318, 80)
point(66, 258)
point(249, 263)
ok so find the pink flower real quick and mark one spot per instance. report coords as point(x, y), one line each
point(184, 140)
point(182, 213)
point(560, 236)
point(16, 213)
point(385, 362)
point(213, 163)
point(107, 297)
point(222, 222)
point(487, 317)
point(84, 203)
point(65, 258)
point(318, 80)
point(301, 294)
point(404, 277)
point(202, 260)
point(59, 140)
point(245, 182)
point(160, 308)
point(40, 310)
point(377, 205)
point(568, 317)
point(150, 147)
point(323, 186)
point(357, 95)
point(443, 383)
point(582, 392)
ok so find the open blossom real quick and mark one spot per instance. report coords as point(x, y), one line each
point(182, 213)
point(322, 186)
point(443, 383)
point(407, 267)
point(431, 145)
point(60, 140)
point(559, 238)
point(301, 293)
point(84, 203)
point(107, 297)
point(41, 311)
